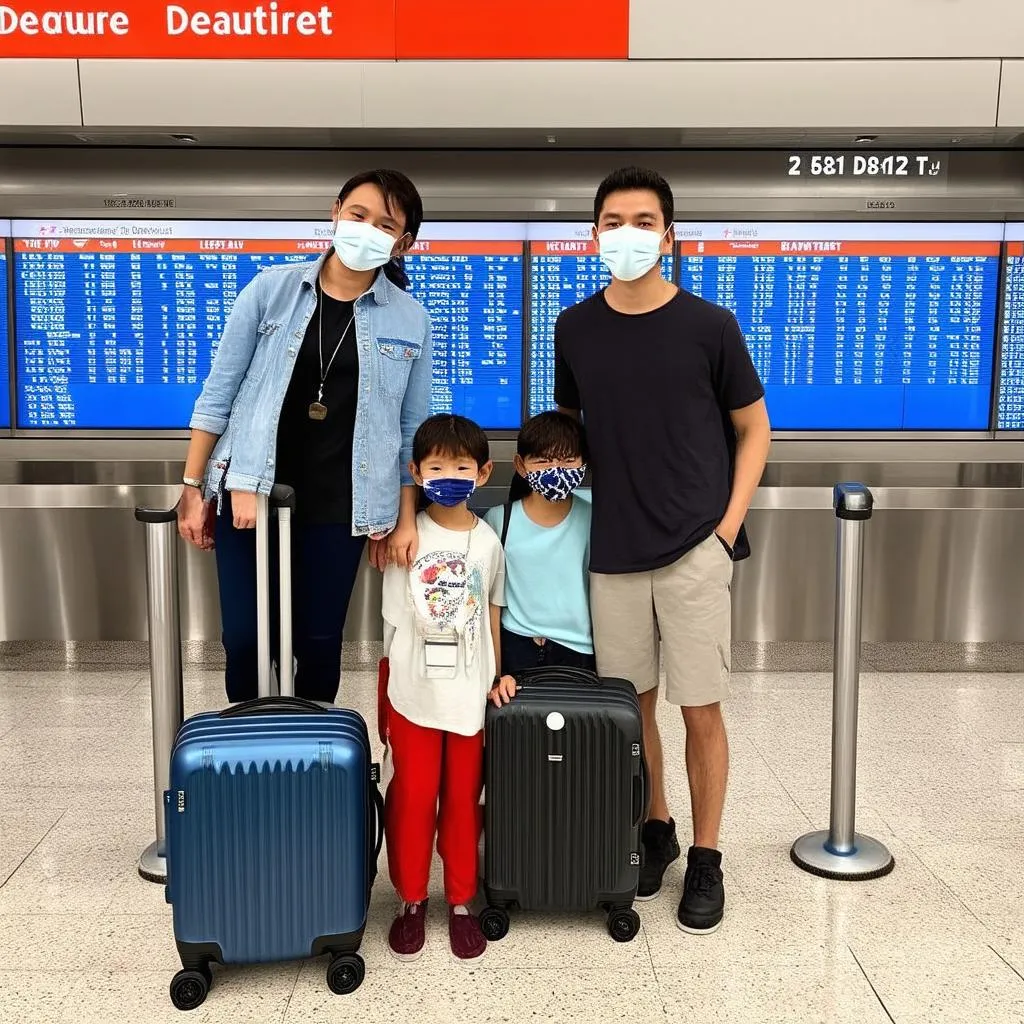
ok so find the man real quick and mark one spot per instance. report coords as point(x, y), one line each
point(678, 435)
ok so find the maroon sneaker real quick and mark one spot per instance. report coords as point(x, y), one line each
point(409, 932)
point(464, 934)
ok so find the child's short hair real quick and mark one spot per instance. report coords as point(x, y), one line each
point(454, 436)
point(552, 435)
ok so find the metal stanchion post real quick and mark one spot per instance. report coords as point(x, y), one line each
point(164, 619)
point(841, 852)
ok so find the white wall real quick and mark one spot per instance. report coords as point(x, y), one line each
point(826, 28)
point(683, 94)
point(864, 94)
point(1011, 95)
point(218, 94)
point(39, 92)
point(555, 94)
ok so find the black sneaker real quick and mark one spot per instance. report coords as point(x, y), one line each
point(660, 848)
point(703, 902)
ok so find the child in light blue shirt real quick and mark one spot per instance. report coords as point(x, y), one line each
point(545, 530)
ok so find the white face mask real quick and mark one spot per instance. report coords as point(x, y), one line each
point(361, 246)
point(629, 252)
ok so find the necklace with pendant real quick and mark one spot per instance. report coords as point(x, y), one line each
point(317, 409)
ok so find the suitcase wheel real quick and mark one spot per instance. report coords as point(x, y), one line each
point(623, 925)
point(494, 924)
point(345, 973)
point(189, 988)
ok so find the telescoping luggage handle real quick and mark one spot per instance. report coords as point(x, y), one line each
point(282, 499)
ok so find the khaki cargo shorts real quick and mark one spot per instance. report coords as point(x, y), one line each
point(689, 605)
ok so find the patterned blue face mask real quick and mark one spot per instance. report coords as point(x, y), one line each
point(556, 483)
point(448, 491)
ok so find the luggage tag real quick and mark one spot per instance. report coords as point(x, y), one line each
point(441, 656)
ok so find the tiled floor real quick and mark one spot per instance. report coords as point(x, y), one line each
point(82, 938)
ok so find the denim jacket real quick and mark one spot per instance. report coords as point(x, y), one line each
point(242, 397)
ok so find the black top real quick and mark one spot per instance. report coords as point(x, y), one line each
point(315, 456)
point(656, 390)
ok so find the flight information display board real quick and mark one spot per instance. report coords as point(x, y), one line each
point(116, 323)
point(859, 326)
point(470, 279)
point(1010, 407)
point(5, 392)
point(564, 269)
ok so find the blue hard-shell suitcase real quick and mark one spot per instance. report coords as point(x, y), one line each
point(274, 825)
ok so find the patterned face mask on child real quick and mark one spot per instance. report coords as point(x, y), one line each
point(556, 483)
point(448, 491)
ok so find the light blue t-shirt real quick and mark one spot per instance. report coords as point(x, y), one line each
point(546, 574)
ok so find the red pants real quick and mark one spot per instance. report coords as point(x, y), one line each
point(434, 771)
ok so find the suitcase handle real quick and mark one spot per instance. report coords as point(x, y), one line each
point(378, 802)
point(281, 498)
point(559, 673)
point(641, 793)
point(273, 706)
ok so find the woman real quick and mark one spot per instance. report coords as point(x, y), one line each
point(320, 381)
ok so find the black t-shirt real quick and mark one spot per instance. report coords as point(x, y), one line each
point(656, 390)
point(315, 456)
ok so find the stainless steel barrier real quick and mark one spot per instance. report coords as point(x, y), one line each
point(841, 852)
point(936, 567)
point(165, 680)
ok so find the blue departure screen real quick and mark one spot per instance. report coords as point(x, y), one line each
point(859, 334)
point(116, 328)
point(5, 394)
point(119, 333)
point(473, 291)
point(1011, 378)
point(562, 273)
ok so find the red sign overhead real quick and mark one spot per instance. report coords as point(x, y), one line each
point(316, 29)
point(470, 248)
point(564, 247)
point(832, 247)
point(141, 246)
point(512, 29)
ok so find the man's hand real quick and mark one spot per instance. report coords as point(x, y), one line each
point(243, 509)
point(402, 545)
point(728, 532)
point(503, 692)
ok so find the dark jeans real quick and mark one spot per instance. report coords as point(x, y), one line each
point(325, 560)
point(520, 652)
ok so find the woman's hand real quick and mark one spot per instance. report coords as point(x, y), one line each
point(192, 519)
point(377, 551)
point(402, 545)
point(503, 691)
point(243, 510)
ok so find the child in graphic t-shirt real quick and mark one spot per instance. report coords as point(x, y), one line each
point(442, 620)
point(545, 531)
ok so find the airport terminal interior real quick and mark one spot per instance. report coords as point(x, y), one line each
point(858, 206)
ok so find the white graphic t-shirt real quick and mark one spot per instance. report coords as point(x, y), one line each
point(443, 604)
